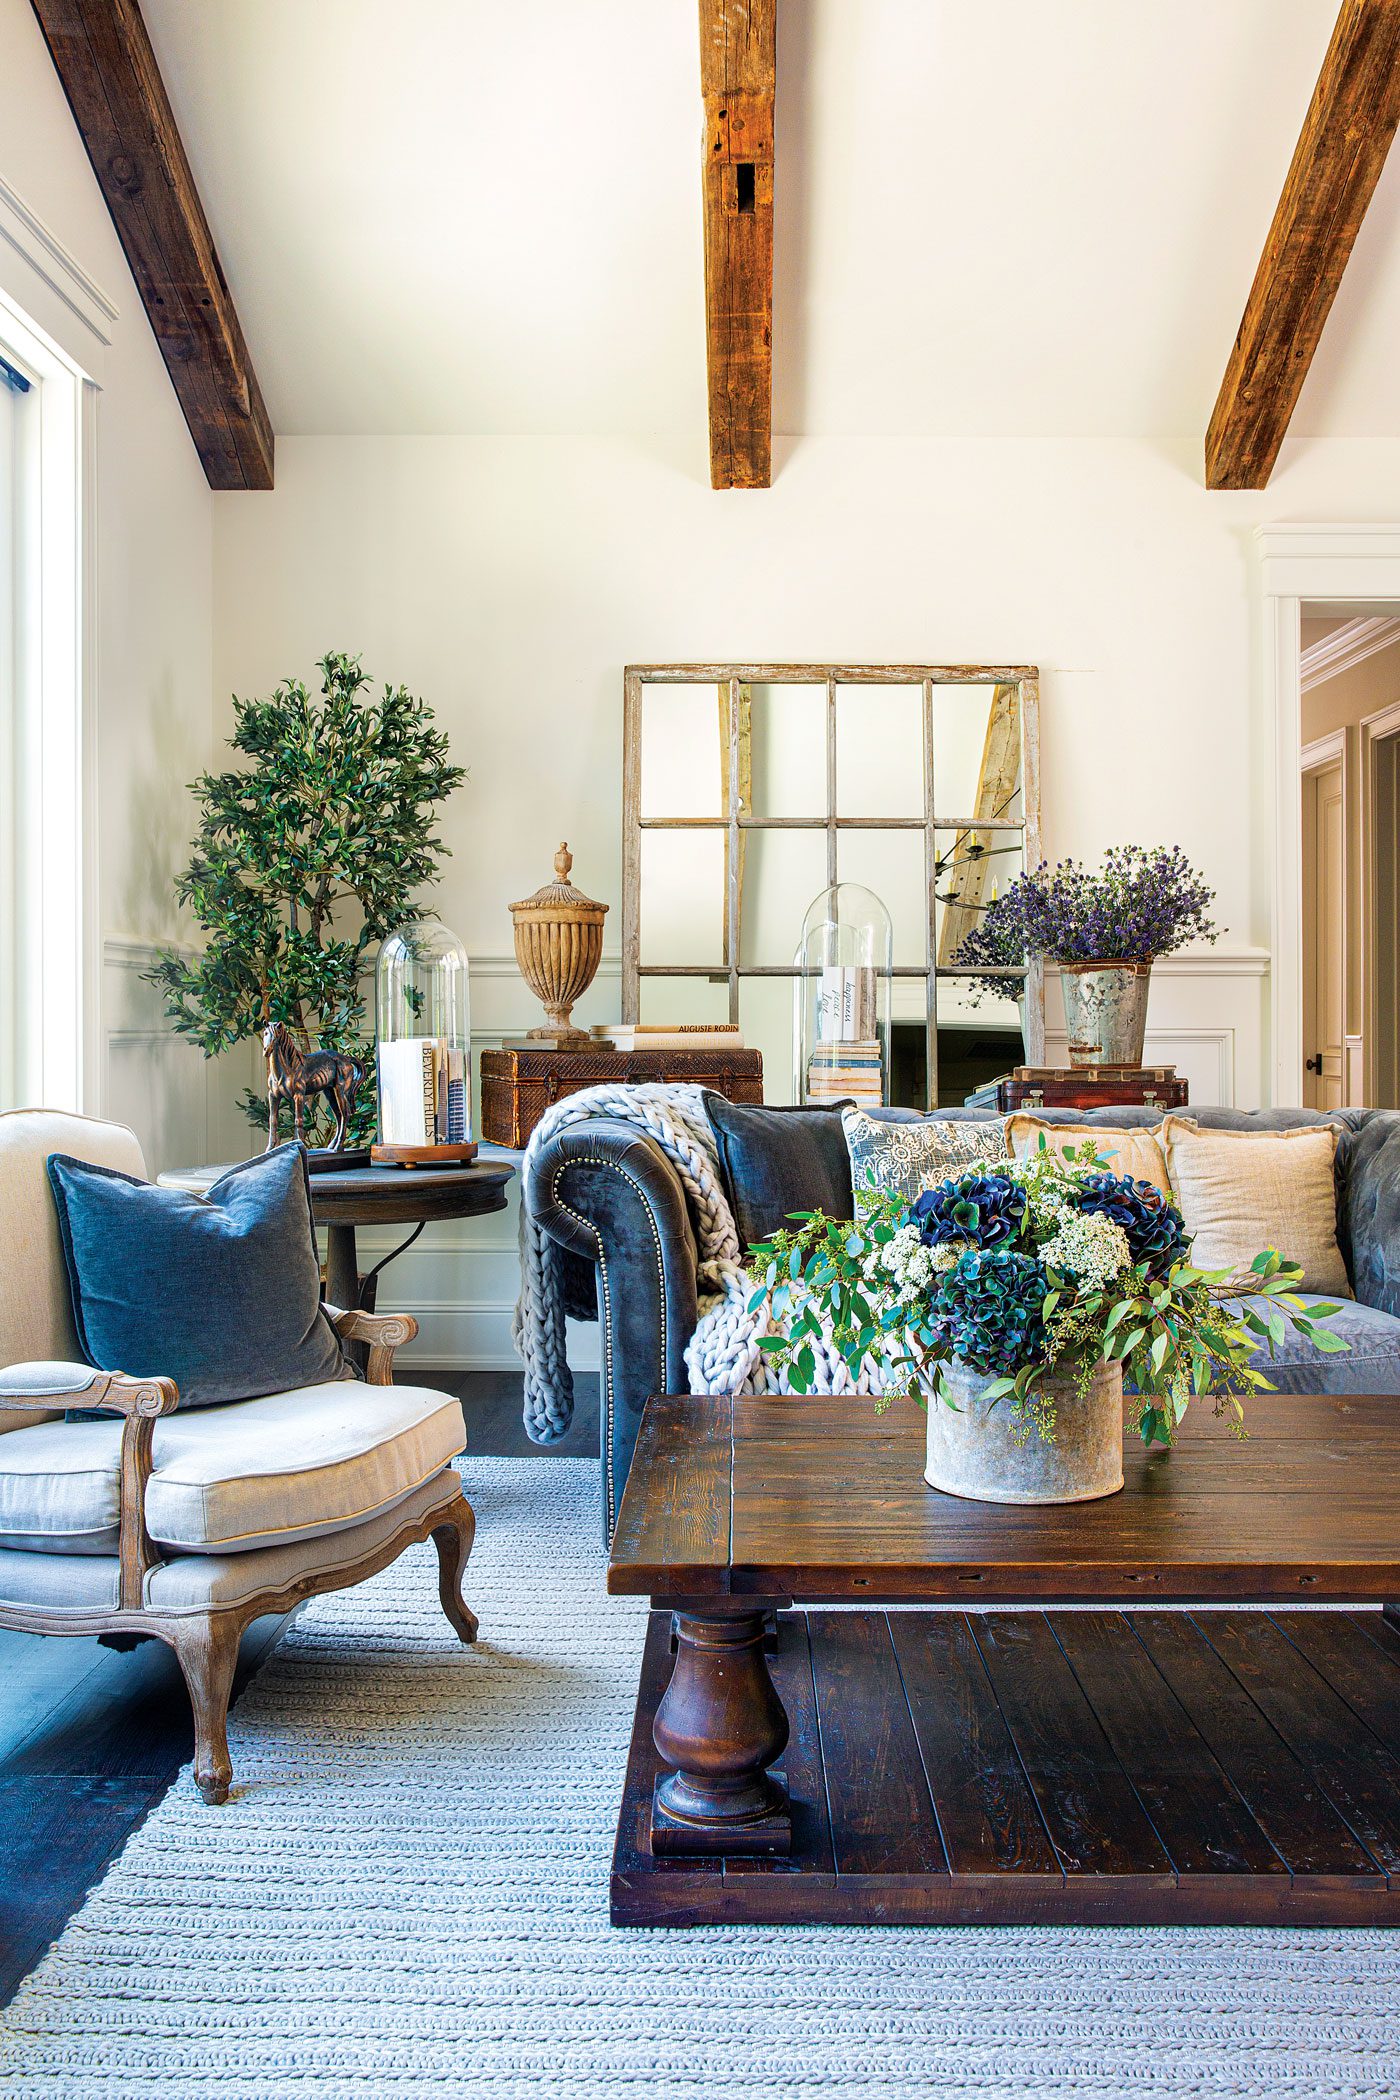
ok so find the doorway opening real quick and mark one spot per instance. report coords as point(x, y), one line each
point(1350, 857)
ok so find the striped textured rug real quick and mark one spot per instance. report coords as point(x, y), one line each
point(408, 1895)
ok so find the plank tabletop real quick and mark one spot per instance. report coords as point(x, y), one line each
point(823, 1500)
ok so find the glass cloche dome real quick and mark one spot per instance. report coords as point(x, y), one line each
point(422, 998)
point(842, 998)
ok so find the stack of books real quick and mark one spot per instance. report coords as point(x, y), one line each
point(847, 1071)
point(423, 1092)
point(630, 1036)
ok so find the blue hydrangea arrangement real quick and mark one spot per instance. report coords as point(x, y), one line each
point(1030, 1271)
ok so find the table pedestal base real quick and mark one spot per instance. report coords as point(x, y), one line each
point(1026, 1767)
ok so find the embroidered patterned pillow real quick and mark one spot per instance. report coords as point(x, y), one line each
point(906, 1157)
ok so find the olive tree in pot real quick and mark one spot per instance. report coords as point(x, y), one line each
point(306, 857)
point(1104, 929)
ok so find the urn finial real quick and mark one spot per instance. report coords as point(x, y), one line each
point(558, 945)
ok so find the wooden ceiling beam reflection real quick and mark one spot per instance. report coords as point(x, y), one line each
point(1336, 165)
point(108, 70)
point(738, 74)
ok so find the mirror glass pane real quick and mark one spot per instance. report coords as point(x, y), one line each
point(684, 1001)
point(765, 1016)
point(971, 871)
point(892, 864)
point(879, 751)
point(976, 751)
point(979, 1036)
point(683, 897)
point(684, 751)
point(783, 871)
point(786, 727)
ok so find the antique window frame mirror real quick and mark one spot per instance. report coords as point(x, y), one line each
point(729, 682)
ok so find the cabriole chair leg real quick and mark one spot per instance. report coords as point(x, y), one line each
point(453, 1539)
point(207, 1650)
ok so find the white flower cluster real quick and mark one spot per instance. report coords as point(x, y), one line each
point(905, 1267)
point(1090, 1248)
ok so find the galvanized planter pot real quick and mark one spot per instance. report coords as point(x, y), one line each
point(1106, 1011)
point(972, 1450)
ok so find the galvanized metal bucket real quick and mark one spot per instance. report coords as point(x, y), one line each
point(973, 1452)
point(1106, 1011)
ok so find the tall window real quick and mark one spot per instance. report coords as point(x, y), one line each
point(47, 956)
point(13, 388)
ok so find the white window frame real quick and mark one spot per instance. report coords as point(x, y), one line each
point(53, 1032)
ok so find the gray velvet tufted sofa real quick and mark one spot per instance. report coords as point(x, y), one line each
point(607, 1193)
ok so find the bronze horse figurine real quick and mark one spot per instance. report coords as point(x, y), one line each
point(295, 1075)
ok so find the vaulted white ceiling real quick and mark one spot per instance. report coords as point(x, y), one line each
point(1021, 216)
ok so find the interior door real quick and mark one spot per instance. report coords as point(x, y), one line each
point(1384, 889)
point(1324, 934)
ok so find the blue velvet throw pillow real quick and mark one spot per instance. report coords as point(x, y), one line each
point(219, 1292)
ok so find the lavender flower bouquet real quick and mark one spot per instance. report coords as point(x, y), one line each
point(1105, 930)
point(1141, 903)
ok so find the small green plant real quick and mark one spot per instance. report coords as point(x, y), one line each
point(305, 858)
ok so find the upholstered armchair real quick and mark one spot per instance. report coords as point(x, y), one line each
point(138, 1520)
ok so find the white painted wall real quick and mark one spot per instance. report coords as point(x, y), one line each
point(152, 540)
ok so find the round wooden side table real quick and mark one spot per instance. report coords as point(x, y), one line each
point(345, 1199)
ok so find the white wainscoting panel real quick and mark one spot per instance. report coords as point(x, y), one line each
point(152, 1079)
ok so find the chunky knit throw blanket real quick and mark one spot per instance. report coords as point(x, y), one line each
point(723, 1355)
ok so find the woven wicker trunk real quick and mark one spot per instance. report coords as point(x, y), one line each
point(517, 1086)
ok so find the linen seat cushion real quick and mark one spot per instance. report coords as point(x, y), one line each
point(255, 1473)
point(221, 1292)
point(1373, 1365)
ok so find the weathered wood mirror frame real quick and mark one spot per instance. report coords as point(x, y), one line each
point(1013, 728)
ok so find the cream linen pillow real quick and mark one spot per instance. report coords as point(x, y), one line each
point(1134, 1152)
point(1241, 1191)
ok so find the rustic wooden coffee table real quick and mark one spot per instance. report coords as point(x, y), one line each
point(996, 1760)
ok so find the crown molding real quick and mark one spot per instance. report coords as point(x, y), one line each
point(43, 251)
point(1349, 644)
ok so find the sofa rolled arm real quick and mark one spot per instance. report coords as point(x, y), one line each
point(604, 1190)
point(1368, 1223)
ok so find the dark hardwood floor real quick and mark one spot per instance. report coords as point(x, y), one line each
point(90, 1739)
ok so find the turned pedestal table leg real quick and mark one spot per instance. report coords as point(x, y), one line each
point(720, 1724)
point(342, 1268)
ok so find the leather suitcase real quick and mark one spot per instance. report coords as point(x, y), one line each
point(518, 1085)
point(1095, 1086)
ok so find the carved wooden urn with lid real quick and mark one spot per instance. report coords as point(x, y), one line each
point(558, 943)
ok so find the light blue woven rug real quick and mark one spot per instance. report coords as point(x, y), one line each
point(408, 1895)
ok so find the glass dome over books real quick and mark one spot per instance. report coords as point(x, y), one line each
point(423, 1024)
point(842, 999)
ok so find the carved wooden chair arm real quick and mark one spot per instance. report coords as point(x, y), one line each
point(382, 1333)
point(142, 1401)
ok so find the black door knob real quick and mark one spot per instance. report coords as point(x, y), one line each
point(1313, 1064)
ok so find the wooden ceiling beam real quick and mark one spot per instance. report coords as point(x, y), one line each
point(1336, 165)
point(108, 70)
point(738, 73)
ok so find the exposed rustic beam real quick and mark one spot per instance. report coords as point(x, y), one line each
point(1336, 164)
point(110, 76)
point(738, 70)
